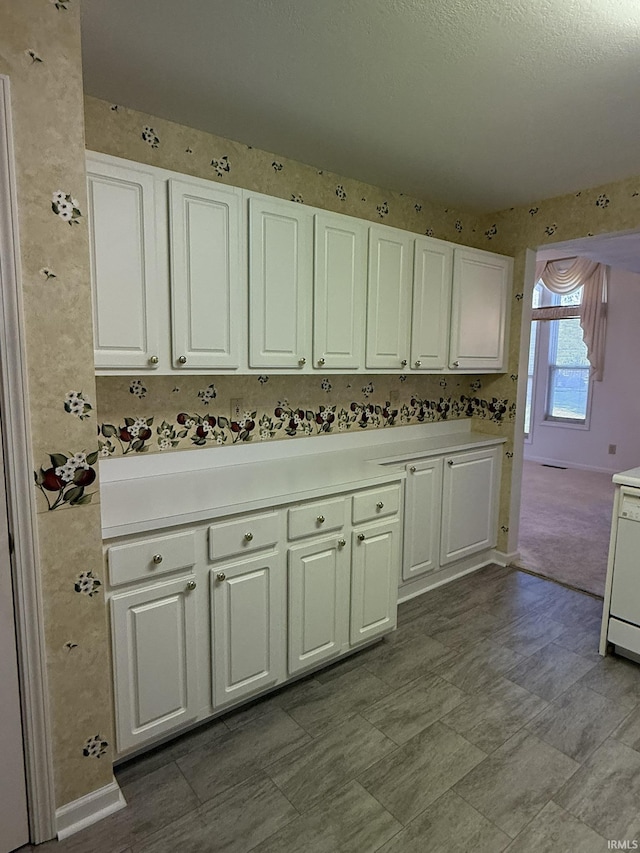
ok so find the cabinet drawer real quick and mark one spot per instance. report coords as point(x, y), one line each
point(376, 503)
point(151, 557)
point(242, 535)
point(317, 517)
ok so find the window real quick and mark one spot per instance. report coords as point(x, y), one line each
point(559, 355)
point(568, 381)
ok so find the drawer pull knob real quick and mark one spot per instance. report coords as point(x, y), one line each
point(157, 559)
point(342, 543)
point(182, 359)
point(302, 361)
point(248, 537)
point(449, 462)
point(191, 585)
point(154, 359)
point(321, 362)
point(380, 505)
point(320, 519)
point(418, 363)
point(413, 469)
point(456, 364)
point(221, 576)
point(361, 537)
point(403, 363)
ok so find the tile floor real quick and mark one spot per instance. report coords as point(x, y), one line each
point(487, 722)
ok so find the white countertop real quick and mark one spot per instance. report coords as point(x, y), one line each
point(628, 478)
point(166, 490)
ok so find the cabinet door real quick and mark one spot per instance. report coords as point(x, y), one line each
point(375, 571)
point(481, 287)
point(340, 280)
point(430, 316)
point(318, 602)
point(388, 298)
point(469, 503)
point(280, 282)
point(123, 243)
point(206, 275)
point(154, 660)
point(247, 627)
point(422, 512)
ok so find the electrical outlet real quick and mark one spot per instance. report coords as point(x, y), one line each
point(237, 408)
point(612, 449)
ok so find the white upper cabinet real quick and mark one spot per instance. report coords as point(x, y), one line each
point(123, 240)
point(432, 273)
point(207, 281)
point(481, 287)
point(339, 291)
point(280, 282)
point(388, 298)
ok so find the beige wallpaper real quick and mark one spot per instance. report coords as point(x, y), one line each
point(40, 53)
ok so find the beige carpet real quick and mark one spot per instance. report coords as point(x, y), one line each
point(564, 525)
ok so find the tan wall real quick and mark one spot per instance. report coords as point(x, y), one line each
point(40, 53)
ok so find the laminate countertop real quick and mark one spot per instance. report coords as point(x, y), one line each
point(186, 487)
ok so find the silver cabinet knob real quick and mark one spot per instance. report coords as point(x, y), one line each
point(413, 469)
point(403, 363)
point(157, 559)
point(361, 537)
point(221, 576)
point(248, 537)
point(191, 585)
point(449, 462)
point(302, 361)
point(418, 363)
point(379, 505)
point(320, 519)
point(182, 359)
point(154, 359)
point(456, 364)
point(342, 543)
point(321, 362)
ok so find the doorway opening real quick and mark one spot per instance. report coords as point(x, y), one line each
point(581, 410)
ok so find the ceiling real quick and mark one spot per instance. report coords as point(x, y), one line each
point(620, 251)
point(480, 103)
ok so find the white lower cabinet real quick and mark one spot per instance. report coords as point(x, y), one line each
point(319, 588)
point(423, 510)
point(450, 509)
point(247, 625)
point(469, 504)
point(154, 660)
point(374, 581)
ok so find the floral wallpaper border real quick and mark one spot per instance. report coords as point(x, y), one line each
point(193, 430)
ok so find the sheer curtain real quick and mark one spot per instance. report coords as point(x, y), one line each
point(559, 278)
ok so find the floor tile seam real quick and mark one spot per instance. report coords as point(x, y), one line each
point(580, 821)
point(191, 788)
point(475, 808)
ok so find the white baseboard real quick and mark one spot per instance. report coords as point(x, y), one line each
point(89, 809)
point(505, 558)
point(559, 463)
